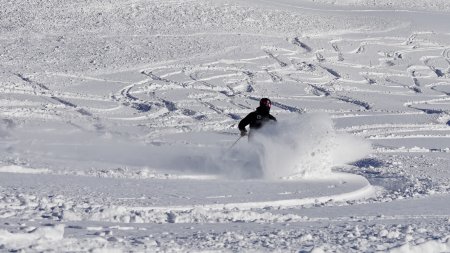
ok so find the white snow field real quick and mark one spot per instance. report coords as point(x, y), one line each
point(118, 121)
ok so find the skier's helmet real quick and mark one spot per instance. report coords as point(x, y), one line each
point(265, 103)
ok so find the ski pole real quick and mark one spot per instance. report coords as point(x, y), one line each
point(240, 137)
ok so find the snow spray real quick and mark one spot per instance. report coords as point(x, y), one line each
point(306, 146)
point(301, 146)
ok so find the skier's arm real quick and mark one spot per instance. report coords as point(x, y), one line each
point(272, 118)
point(244, 122)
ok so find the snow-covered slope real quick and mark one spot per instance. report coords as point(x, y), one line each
point(118, 119)
point(433, 5)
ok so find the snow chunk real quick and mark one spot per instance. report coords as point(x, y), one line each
point(442, 245)
point(41, 235)
point(20, 169)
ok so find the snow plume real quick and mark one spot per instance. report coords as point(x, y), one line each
point(304, 146)
point(5, 127)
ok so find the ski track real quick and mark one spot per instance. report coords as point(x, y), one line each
point(148, 103)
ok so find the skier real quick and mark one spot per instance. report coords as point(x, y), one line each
point(258, 118)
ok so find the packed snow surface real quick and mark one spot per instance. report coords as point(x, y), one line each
point(118, 126)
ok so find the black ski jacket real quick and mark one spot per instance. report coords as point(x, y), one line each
point(256, 119)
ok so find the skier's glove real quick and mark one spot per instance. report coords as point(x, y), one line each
point(243, 133)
